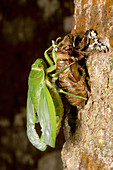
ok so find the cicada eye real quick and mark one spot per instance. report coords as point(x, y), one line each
point(41, 66)
point(76, 41)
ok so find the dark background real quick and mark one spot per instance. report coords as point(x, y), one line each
point(26, 30)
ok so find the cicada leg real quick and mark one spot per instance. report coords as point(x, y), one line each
point(54, 56)
point(51, 62)
point(64, 92)
point(52, 66)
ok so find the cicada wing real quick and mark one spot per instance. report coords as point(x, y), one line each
point(57, 103)
point(31, 132)
point(47, 117)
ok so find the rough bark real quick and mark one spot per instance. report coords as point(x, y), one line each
point(91, 146)
point(94, 14)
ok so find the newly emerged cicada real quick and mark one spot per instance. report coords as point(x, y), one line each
point(42, 107)
point(44, 104)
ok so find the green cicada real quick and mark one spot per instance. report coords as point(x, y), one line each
point(44, 104)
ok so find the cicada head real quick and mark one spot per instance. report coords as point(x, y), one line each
point(39, 64)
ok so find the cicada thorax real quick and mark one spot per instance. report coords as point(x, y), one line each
point(72, 79)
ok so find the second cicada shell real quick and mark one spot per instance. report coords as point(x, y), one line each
point(72, 79)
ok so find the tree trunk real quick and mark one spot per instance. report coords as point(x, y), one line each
point(91, 146)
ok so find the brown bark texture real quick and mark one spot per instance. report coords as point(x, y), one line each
point(91, 146)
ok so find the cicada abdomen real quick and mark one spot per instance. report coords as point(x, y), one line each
point(72, 79)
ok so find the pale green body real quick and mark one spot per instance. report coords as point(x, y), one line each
point(42, 107)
